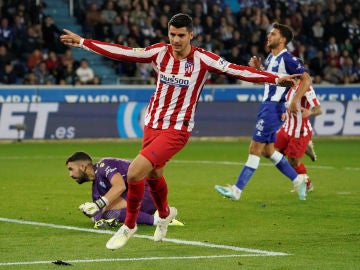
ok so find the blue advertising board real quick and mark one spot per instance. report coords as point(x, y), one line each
point(53, 120)
point(139, 93)
point(118, 111)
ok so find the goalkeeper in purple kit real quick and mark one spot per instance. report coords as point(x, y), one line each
point(109, 190)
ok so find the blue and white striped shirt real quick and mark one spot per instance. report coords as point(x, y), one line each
point(283, 64)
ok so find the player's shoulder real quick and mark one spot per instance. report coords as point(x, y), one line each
point(206, 55)
point(101, 164)
point(157, 47)
point(292, 63)
point(111, 161)
point(288, 56)
point(199, 50)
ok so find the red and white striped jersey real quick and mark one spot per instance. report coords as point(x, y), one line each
point(179, 82)
point(295, 125)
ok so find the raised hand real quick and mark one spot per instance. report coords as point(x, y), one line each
point(255, 62)
point(70, 38)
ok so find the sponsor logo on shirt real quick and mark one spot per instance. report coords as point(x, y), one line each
point(221, 63)
point(174, 80)
point(109, 170)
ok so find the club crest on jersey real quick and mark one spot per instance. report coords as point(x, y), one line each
point(174, 80)
point(189, 67)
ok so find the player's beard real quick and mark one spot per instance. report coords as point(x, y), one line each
point(82, 178)
point(273, 45)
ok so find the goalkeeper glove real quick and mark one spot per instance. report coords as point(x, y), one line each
point(91, 208)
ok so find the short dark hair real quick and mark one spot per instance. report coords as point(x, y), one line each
point(77, 156)
point(181, 20)
point(285, 31)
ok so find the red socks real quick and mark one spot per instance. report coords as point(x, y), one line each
point(135, 194)
point(301, 169)
point(159, 191)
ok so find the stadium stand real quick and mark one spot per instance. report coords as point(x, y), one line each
point(60, 12)
point(323, 30)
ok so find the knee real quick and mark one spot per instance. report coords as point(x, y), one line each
point(256, 151)
point(139, 168)
point(131, 176)
point(293, 162)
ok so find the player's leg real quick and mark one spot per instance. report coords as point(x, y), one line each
point(282, 141)
point(112, 215)
point(300, 168)
point(310, 151)
point(234, 192)
point(161, 150)
point(280, 162)
point(112, 218)
point(138, 169)
point(264, 125)
point(295, 151)
point(283, 165)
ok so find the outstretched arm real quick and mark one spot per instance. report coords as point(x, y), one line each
point(111, 50)
point(305, 82)
point(70, 38)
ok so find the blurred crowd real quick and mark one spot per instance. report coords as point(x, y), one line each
point(30, 49)
point(327, 36)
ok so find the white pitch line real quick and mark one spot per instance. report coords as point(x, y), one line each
point(137, 259)
point(236, 163)
point(177, 241)
point(229, 163)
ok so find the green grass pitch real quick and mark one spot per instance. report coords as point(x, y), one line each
point(269, 228)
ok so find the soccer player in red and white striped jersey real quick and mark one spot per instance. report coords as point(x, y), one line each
point(181, 70)
point(295, 134)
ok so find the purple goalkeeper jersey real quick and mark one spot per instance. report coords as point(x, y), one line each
point(105, 169)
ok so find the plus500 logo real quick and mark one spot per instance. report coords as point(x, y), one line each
point(174, 80)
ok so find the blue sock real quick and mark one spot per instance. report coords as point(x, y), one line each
point(244, 177)
point(283, 165)
point(247, 171)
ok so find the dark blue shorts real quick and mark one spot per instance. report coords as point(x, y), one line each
point(268, 121)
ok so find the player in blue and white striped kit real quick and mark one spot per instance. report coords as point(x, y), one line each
point(272, 115)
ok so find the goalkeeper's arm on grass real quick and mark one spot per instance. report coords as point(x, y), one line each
point(111, 200)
